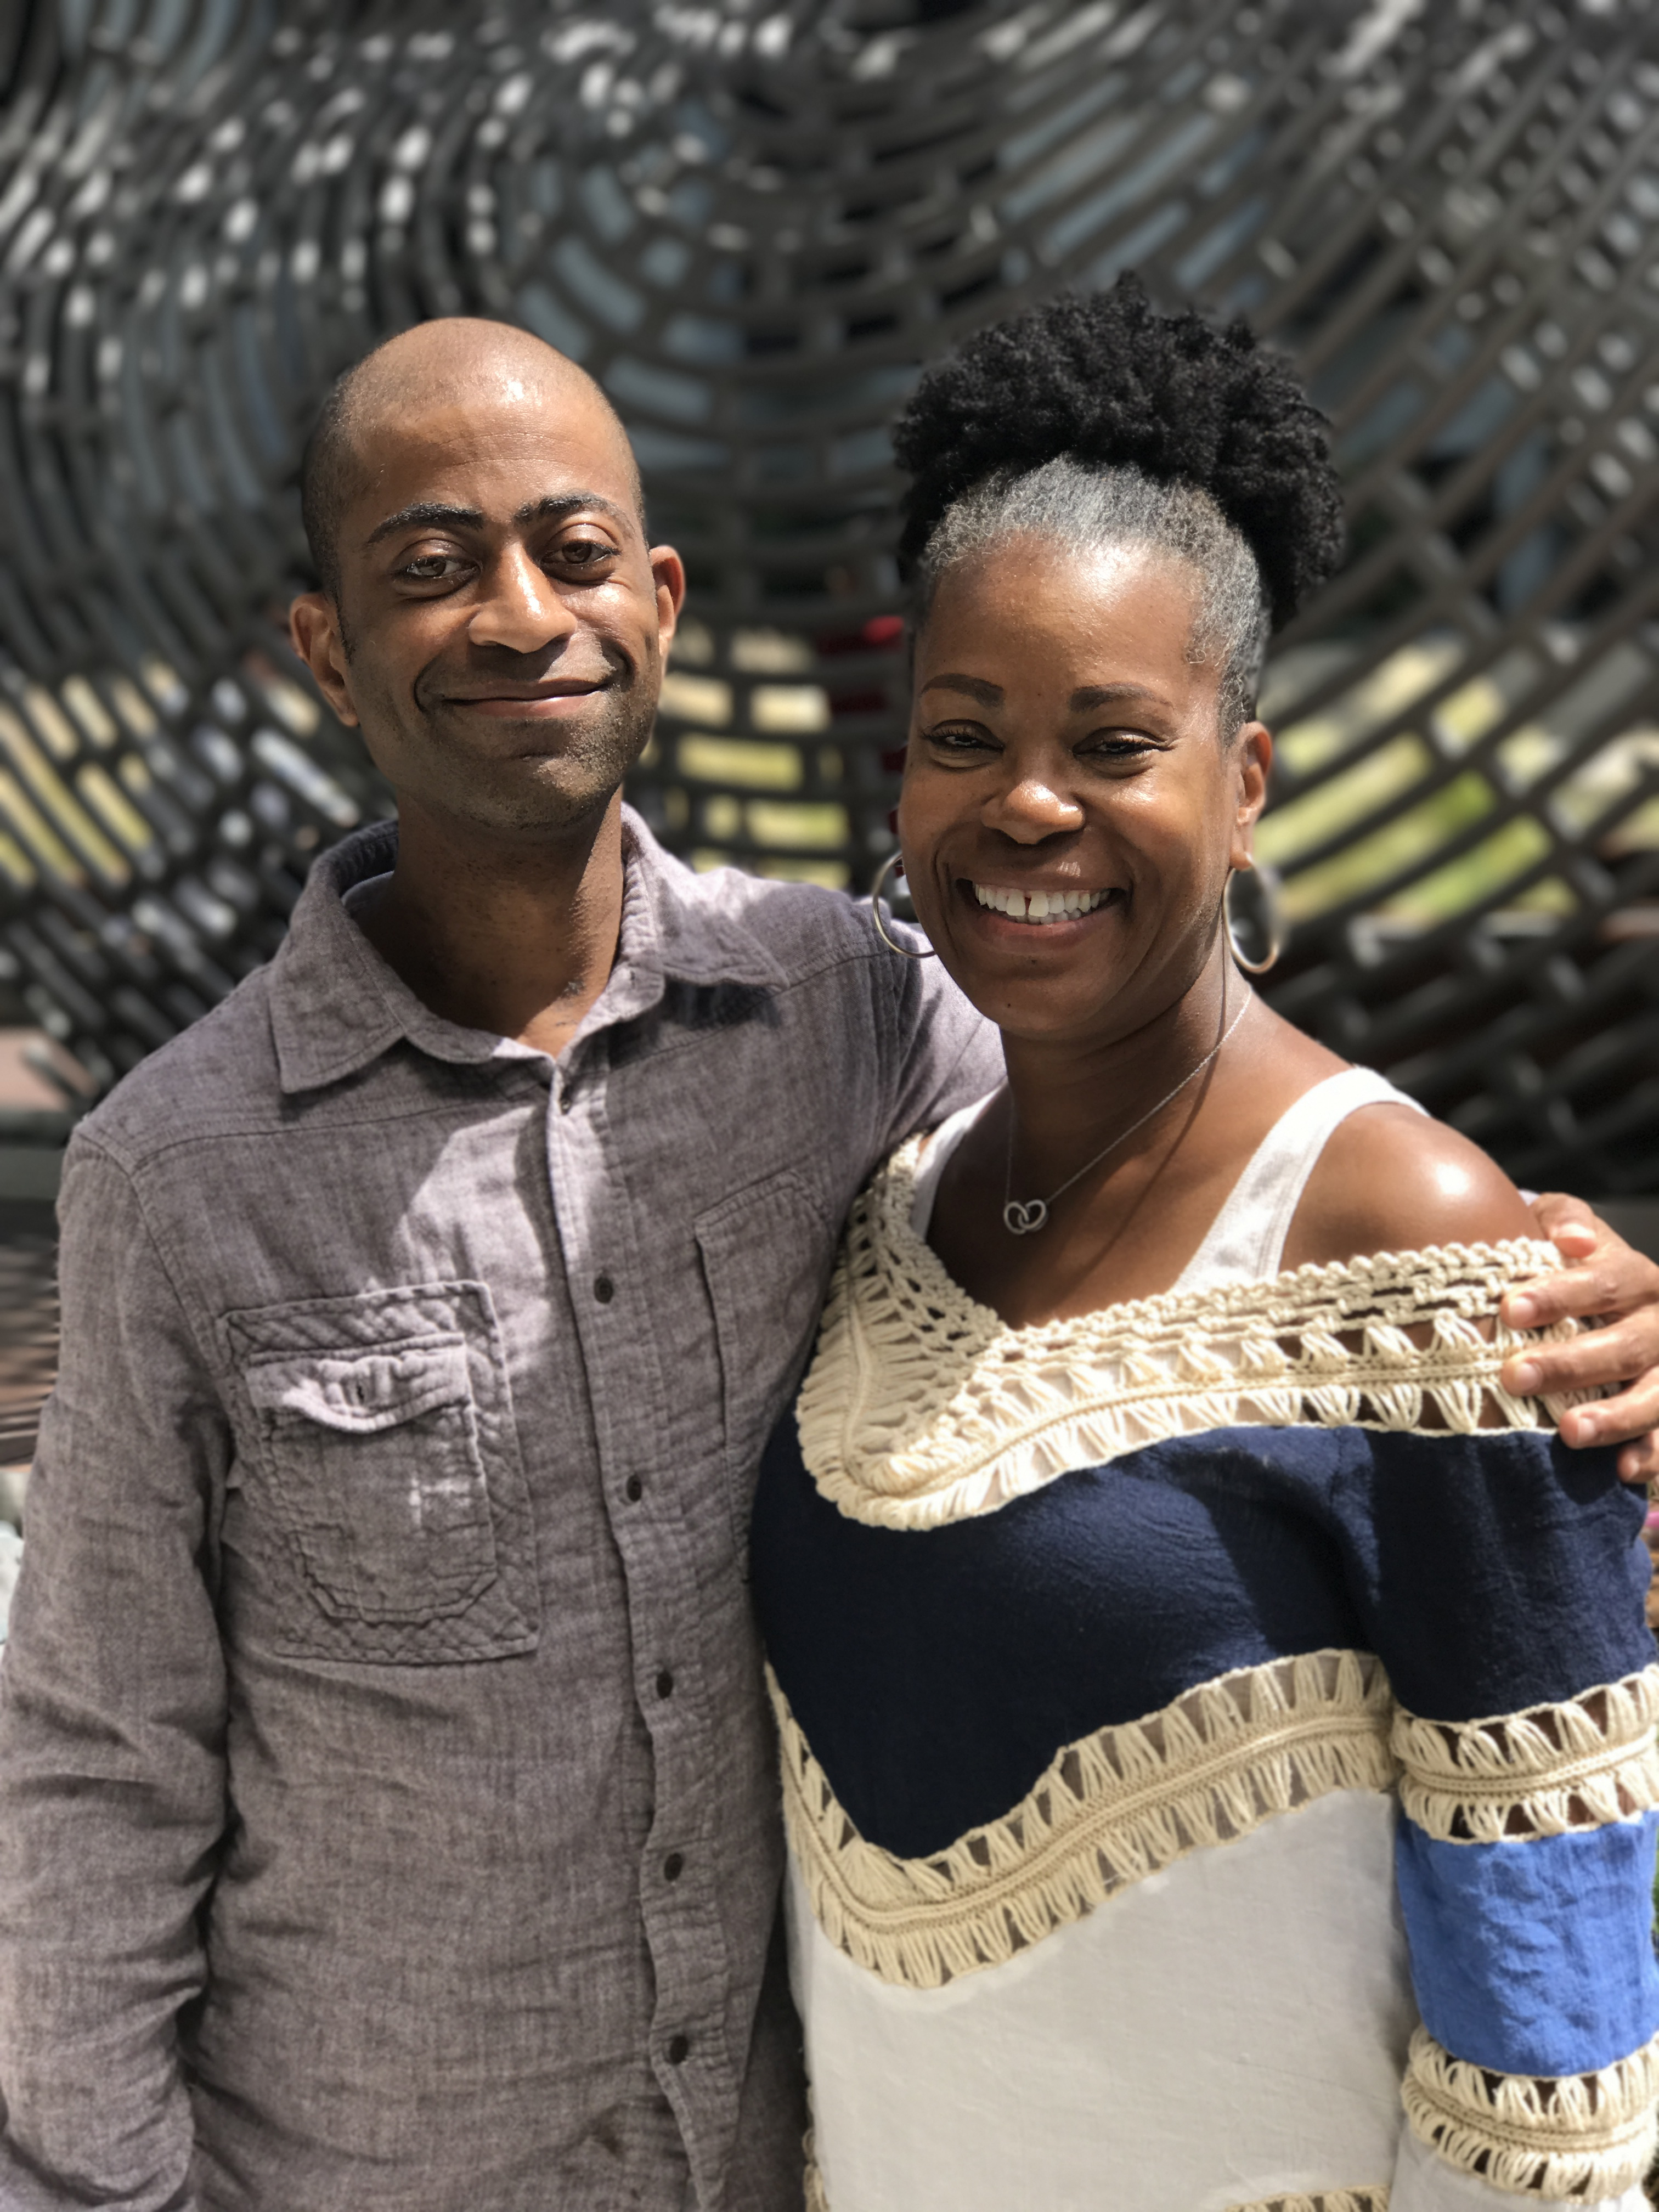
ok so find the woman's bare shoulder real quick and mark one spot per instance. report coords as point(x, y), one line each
point(1392, 1180)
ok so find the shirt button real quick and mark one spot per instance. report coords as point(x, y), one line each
point(633, 1490)
point(566, 1099)
point(604, 1289)
point(673, 1866)
point(664, 1684)
point(680, 2050)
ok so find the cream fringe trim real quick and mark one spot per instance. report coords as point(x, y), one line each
point(1586, 2136)
point(1579, 1764)
point(816, 2199)
point(1329, 2200)
point(922, 1407)
point(1109, 1811)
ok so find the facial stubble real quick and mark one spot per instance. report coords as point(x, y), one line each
point(545, 789)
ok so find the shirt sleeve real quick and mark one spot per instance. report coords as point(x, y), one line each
point(944, 1053)
point(111, 1727)
point(1500, 1579)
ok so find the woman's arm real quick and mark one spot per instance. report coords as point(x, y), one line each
point(1500, 1579)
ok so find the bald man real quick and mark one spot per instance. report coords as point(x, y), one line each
point(387, 1818)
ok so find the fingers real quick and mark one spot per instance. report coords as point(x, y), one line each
point(1613, 1283)
point(1569, 1224)
point(1626, 1419)
point(1604, 1277)
point(1597, 1361)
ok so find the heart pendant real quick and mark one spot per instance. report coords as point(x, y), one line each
point(1022, 1217)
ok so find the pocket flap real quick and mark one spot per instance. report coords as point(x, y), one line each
point(362, 1391)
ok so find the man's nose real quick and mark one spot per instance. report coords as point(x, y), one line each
point(520, 609)
point(1031, 809)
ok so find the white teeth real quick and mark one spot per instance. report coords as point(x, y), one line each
point(1038, 907)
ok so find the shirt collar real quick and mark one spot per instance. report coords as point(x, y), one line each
point(336, 1006)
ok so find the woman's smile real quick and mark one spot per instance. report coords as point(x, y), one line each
point(1005, 917)
point(1042, 908)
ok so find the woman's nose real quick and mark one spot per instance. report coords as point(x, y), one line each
point(521, 611)
point(1032, 809)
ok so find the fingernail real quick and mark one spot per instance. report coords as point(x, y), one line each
point(1522, 1310)
point(1527, 1376)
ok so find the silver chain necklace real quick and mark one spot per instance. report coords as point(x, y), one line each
point(1023, 1217)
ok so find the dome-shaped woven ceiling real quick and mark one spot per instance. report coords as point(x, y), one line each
point(751, 224)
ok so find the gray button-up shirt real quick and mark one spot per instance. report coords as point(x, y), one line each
point(387, 1813)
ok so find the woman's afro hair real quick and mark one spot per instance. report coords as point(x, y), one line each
point(1102, 377)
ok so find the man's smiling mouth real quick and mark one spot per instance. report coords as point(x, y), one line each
point(531, 706)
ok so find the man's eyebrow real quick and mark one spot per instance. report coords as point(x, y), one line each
point(572, 502)
point(976, 687)
point(438, 514)
point(426, 514)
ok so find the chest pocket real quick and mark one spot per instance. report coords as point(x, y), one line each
point(767, 1253)
point(387, 1458)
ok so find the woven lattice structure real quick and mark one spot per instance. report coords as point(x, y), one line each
point(751, 225)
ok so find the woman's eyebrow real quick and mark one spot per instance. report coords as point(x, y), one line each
point(1091, 696)
point(976, 687)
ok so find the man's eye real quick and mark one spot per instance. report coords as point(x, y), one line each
point(432, 568)
point(585, 552)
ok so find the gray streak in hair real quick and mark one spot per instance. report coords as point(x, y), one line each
point(1096, 509)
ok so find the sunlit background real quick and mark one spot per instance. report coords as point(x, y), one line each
point(752, 223)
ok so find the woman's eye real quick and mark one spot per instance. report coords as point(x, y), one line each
point(957, 740)
point(1119, 745)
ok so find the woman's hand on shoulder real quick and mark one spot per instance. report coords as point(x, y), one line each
point(1391, 1180)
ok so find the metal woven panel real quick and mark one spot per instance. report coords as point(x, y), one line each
point(752, 226)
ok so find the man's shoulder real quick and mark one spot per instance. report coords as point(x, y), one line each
point(217, 1075)
point(798, 929)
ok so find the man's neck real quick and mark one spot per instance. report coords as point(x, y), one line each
point(515, 938)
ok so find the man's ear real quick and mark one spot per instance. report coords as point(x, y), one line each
point(668, 574)
point(313, 624)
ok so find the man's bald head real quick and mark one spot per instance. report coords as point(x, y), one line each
point(450, 360)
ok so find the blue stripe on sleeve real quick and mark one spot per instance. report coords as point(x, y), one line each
point(1535, 1956)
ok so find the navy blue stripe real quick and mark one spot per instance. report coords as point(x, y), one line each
point(1534, 1957)
point(936, 1674)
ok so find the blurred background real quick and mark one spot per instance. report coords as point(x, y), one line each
point(752, 223)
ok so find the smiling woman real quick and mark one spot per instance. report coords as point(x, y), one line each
point(1218, 1724)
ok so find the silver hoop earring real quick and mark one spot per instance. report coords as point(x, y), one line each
point(893, 861)
point(1265, 925)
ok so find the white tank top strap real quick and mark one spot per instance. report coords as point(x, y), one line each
point(938, 1149)
point(1245, 1242)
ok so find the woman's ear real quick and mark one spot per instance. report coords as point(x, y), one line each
point(1252, 757)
